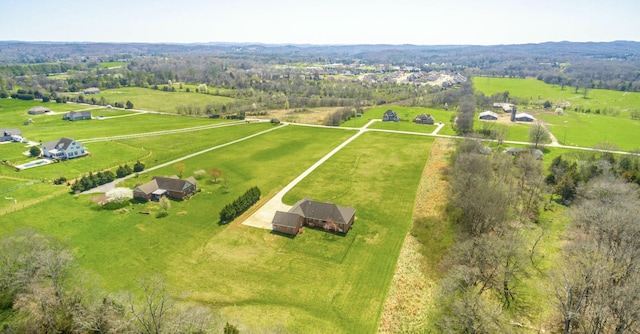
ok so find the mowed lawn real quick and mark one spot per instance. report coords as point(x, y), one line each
point(587, 130)
point(318, 282)
point(45, 128)
point(536, 90)
point(314, 283)
point(158, 100)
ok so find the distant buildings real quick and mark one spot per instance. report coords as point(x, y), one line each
point(91, 90)
point(77, 115)
point(390, 116)
point(424, 119)
point(10, 134)
point(488, 116)
point(38, 110)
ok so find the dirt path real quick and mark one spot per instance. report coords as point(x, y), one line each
point(411, 291)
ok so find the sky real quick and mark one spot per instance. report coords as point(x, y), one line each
point(420, 22)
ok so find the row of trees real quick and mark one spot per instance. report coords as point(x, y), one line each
point(93, 180)
point(489, 193)
point(240, 205)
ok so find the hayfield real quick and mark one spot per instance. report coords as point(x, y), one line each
point(314, 281)
point(538, 91)
point(588, 130)
point(158, 100)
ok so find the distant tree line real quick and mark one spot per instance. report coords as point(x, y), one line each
point(240, 205)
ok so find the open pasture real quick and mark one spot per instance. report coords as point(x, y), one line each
point(312, 283)
point(50, 127)
point(158, 100)
point(588, 130)
point(538, 91)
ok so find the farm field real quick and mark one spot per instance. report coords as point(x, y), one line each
point(239, 269)
point(588, 130)
point(150, 150)
point(536, 90)
point(158, 100)
point(50, 127)
point(576, 128)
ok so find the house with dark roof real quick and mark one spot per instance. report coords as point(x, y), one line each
point(10, 134)
point(390, 116)
point(38, 110)
point(172, 187)
point(306, 212)
point(64, 148)
point(488, 116)
point(77, 115)
point(424, 119)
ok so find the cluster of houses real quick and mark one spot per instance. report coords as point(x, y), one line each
point(392, 116)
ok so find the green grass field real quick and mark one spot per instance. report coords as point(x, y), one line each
point(577, 129)
point(536, 90)
point(312, 283)
point(50, 127)
point(109, 64)
point(158, 100)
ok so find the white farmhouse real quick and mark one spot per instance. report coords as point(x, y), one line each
point(64, 148)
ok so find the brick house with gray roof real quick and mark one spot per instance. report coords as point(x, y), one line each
point(306, 212)
point(172, 187)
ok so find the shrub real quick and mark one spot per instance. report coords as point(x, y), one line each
point(34, 151)
point(240, 205)
point(138, 167)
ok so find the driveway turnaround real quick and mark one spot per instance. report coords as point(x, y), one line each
point(263, 217)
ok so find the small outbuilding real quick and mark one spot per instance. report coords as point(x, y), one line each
point(9, 134)
point(390, 116)
point(506, 107)
point(523, 117)
point(38, 110)
point(77, 115)
point(488, 116)
point(91, 90)
point(424, 119)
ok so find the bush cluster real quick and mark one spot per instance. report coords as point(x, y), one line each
point(92, 180)
point(240, 205)
point(125, 170)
